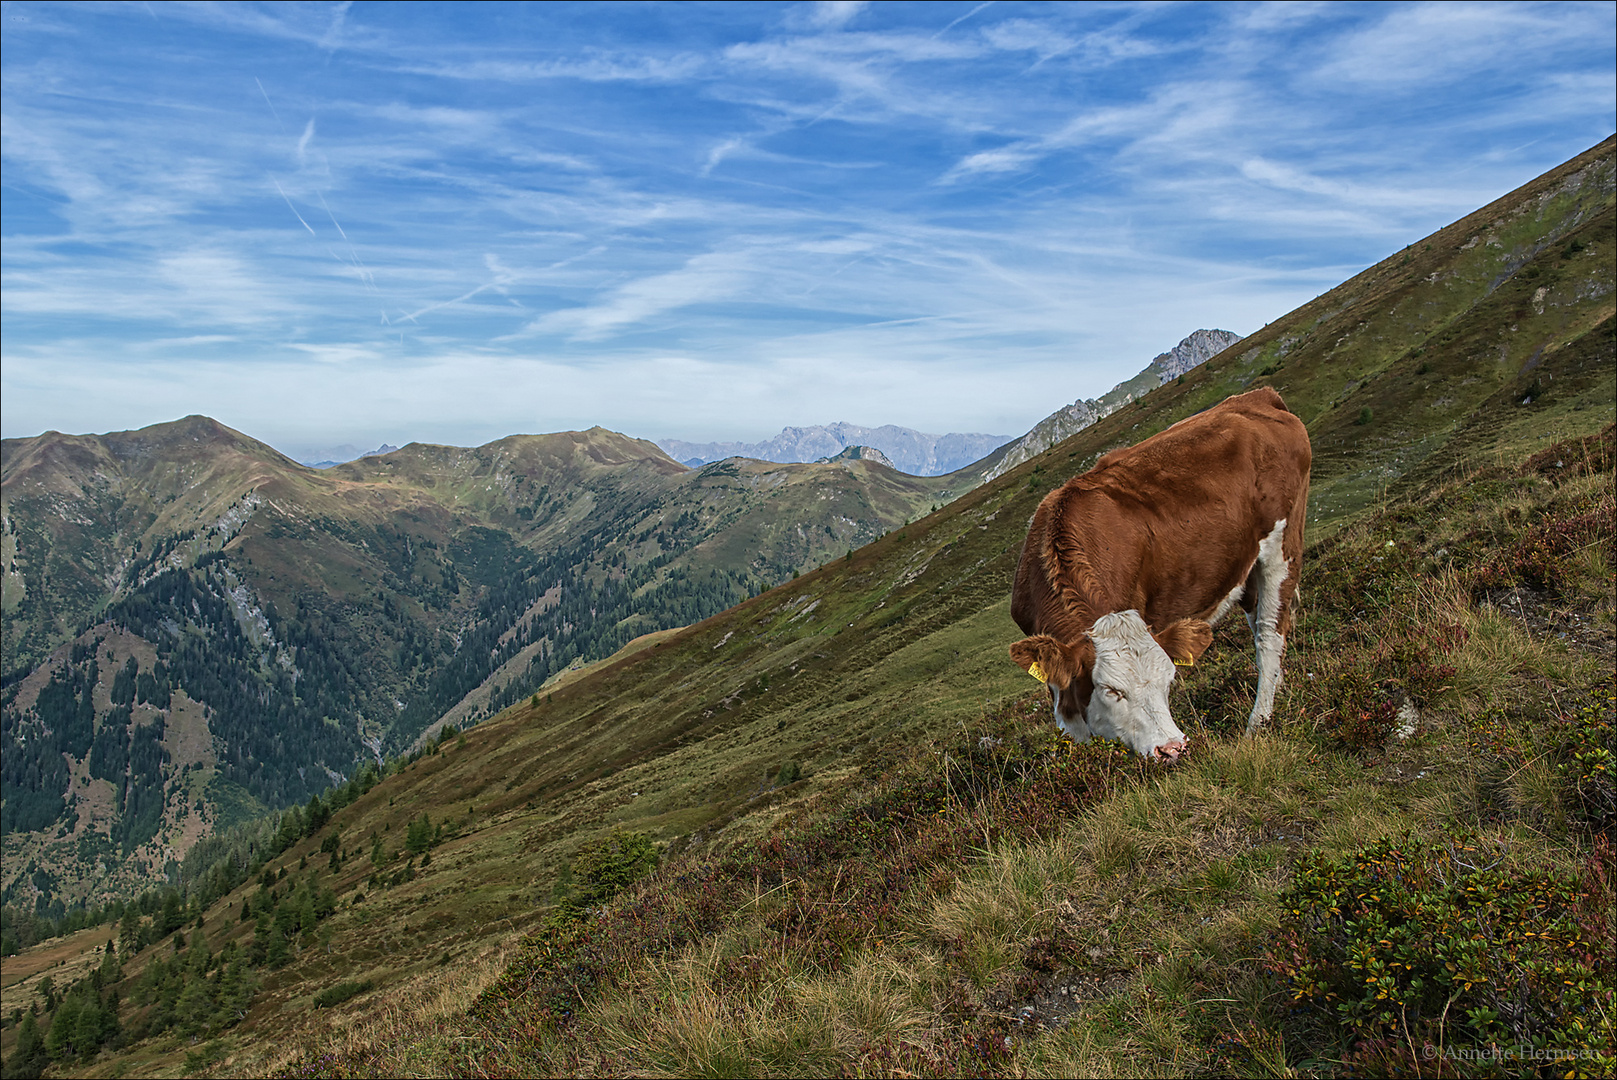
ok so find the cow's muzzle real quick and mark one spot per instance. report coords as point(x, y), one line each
point(1169, 751)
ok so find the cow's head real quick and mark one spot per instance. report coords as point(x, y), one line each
point(1113, 682)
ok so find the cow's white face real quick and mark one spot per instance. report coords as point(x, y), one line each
point(1132, 675)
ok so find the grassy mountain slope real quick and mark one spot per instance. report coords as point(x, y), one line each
point(876, 855)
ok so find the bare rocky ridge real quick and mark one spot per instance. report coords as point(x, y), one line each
point(861, 453)
point(1068, 420)
point(1193, 352)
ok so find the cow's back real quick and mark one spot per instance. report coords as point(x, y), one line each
point(1246, 447)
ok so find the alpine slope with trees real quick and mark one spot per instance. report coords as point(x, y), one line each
point(198, 631)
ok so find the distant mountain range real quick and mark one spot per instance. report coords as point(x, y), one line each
point(197, 628)
point(338, 455)
point(915, 452)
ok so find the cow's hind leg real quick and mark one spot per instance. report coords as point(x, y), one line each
point(1270, 588)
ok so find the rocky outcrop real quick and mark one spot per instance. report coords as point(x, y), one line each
point(860, 453)
point(1193, 352)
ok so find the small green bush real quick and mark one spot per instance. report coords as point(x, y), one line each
point(1432, 961)
point(603, 869)
point(1591, 772)
point(336, 995)
point(203, 1058)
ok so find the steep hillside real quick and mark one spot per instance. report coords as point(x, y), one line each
point(876, 856)
point(198, 629)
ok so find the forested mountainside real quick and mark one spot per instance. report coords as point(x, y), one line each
point(198, 630)
point(831, 830)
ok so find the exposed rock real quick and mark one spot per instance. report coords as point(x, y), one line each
point(861, 453)
point(1193, 352)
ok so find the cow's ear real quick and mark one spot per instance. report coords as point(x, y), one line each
point(1185, 641)
point(1049, 661)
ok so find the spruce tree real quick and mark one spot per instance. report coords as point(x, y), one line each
point(28, 1058)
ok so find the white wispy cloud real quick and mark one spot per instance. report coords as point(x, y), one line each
point(596, 67)
point(1423, 43)
point(825, 14)
point(703, 279)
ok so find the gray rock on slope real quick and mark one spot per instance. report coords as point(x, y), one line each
point(1192, 352)
point(861, 453)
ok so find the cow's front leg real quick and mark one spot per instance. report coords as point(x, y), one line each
point(1271, 647)
point(1271, 574)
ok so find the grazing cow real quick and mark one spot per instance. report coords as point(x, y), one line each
point(1127, 567)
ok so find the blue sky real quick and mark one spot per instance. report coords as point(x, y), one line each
point(325, 224)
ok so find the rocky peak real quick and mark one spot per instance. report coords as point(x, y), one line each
point(1192, 352)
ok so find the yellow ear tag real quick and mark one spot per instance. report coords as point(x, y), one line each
point(1037, 672)
point(1184, 663)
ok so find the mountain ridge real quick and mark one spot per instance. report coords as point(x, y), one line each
point(1194, 350)
point(351, 596)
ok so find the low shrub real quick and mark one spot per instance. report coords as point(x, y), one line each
point(1587, 762)
point(336, 995)
point(1542, 556)
point(1422, 960)
point(605, 868)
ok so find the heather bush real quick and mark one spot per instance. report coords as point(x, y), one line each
point(1416, 959)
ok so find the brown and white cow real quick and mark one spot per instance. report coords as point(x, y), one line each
point(1127, 567)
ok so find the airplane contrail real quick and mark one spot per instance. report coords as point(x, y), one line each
point(270, 103)
point(292, 208)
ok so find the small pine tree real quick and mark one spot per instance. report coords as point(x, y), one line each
point(29, 1057)
point(418, 835)
point(606, 867)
